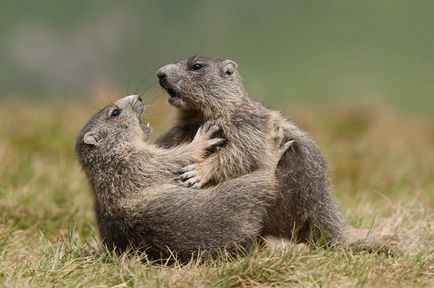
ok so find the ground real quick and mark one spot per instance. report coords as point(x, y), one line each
point(382, 175)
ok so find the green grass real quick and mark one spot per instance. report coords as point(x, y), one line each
point(382, 173)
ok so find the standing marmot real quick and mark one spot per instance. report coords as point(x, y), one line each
point(211, 89)
point(138, 202)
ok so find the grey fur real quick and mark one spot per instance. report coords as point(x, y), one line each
point(303, 204)
point(139, 204)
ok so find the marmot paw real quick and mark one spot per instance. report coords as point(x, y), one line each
point(191, 176)
point(206, 131)
point(281, 146)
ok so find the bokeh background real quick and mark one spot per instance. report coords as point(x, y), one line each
point(297, 51)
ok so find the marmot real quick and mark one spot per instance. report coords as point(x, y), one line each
point(206, 89)
point(139, 203)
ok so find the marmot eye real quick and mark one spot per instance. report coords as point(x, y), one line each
point(196, 66)
point(116, 112)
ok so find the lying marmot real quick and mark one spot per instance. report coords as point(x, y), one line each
point(206, 89)
point(139, 204)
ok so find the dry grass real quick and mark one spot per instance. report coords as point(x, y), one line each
point(382, 172)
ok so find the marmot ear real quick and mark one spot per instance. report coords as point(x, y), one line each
point(229, 67)
point(91, 138)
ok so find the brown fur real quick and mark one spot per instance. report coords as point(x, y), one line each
point(304, 209)
point(139, 204)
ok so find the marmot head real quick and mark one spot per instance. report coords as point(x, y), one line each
point(117, 124)
point(198, 83)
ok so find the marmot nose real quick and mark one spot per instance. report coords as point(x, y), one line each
point(161, 74)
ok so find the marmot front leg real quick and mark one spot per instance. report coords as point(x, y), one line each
point(198, 175)
point(203, 140)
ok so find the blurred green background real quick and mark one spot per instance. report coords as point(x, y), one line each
point(356, 75)
point(288, 51)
